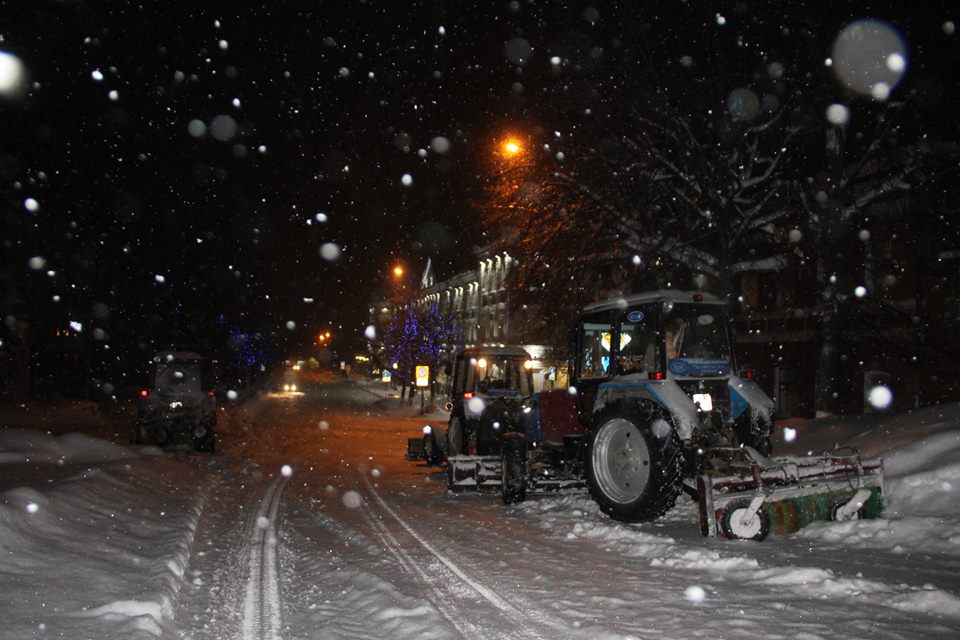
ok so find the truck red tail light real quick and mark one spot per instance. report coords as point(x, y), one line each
point(748, 374)
point(144, 393)
point(657, 375)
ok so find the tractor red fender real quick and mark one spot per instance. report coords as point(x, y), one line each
point(558, 416)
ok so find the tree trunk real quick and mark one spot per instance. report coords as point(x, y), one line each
point(826, 398)
point(830, 232)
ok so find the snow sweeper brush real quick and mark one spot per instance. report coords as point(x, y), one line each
point(756, 495)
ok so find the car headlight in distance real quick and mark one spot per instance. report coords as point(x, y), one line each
point(704, 400)
point(286, 387)
point(293, 387)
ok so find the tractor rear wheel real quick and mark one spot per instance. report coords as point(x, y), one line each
point(634, 461)
point(431, 453)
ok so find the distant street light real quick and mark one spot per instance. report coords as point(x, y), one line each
point(512, 147)
point(398, 271)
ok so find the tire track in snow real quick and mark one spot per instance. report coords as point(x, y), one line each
point(440, 598)
point(446, 598)
point(261, 607)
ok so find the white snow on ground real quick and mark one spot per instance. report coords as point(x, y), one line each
point(101, 550)
point(97, 541)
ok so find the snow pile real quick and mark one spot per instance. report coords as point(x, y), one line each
point(22, 445)
point(921, 461)
point(100, 553)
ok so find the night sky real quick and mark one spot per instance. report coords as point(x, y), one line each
point(194, 190)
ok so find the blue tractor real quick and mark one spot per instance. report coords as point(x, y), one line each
point(657, 405)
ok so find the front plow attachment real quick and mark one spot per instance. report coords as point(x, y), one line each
point(755, 495)
point(473, 473)
point(484, 474)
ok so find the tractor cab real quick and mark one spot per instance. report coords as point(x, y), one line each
point(484, 377)
point(675, 349)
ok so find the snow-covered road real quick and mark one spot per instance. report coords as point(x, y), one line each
point(307, 523)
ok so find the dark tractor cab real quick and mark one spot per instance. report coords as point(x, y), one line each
point(486, 381)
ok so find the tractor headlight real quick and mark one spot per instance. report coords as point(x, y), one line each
point(704, 401)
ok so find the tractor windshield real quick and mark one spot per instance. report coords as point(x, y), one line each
point(494, 375)
point(695, 331)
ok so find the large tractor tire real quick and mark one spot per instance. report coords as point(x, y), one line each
point(513, 467)
point(634, 461)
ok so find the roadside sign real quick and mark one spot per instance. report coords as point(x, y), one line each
point(386, 376)
point(423, 375)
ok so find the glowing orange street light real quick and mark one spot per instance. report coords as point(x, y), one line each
point(397, 271)
point(511, 147)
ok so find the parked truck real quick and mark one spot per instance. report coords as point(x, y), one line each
point(178, 406)
point(658, 406)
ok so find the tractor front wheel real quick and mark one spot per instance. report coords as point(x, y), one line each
point(634, 461)
point(513, 467)
point(456, 438)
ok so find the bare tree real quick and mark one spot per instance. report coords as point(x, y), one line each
point(870, 190)
point(670, 201)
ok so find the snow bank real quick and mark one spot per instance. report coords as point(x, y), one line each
point(24, 445)
point(921, 461)
point(100, 553)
